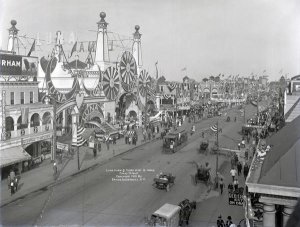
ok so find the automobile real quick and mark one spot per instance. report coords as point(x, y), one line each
point(164, 181)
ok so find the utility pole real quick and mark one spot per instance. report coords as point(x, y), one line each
point(217, 157)
point(54, 141)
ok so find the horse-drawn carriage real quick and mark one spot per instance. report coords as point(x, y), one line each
point(164, 181)
point(175, 140)
point(170, 215)
point(202, 174)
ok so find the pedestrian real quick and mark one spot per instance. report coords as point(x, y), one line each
point(229, 221)
point(236, 185)
point(233, 173)
point(239, 167)
point(54, 168)
point(114, 140)
point(129, 140)
point(126, 138)
point(202, 134)
point(220, 222)
point(107, 144)
point(12, 175)
point(16, 183)
point(239, 146)
point(95, 152)
point(12, 188)
point(246, 170)
point(221, 183)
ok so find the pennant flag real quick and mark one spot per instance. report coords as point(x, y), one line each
point(73, 49)
point(172, 86)
point(214, 128)
point(31, 49)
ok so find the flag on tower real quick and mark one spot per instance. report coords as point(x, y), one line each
point(31, 49)
point(73, 49)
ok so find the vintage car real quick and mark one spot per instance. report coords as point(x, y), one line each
point(164, 181)
point(175, 140)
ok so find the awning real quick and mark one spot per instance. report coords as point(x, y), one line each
point(13, 155)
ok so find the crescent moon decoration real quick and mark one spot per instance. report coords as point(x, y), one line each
point(60, 97)
point(111, 83)
point(144, 83)
point(128, 71)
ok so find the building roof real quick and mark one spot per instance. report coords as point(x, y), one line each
point(281, 165)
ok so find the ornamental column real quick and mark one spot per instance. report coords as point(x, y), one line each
point(12, 37)
point(269, 215)
point(137, 49)
point(287, 211)
point(64, 122)
point(102, 51)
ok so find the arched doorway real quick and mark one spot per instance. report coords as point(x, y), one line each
point(21, 125)
point(9, 124)
point(35, 120)
point(96, 119)
point(124, 102)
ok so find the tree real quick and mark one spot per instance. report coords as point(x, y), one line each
point(217, 79)
point(212, 78)
point(204, 79)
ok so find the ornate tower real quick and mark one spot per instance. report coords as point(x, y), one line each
point(13, 37)
point(102, 54)
point(137, 49)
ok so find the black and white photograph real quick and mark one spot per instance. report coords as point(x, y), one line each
point(132, 113)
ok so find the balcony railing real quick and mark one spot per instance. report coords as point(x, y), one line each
point(27, 131)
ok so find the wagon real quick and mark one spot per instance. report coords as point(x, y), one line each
point(204, 146)
point(175, 140)
point(203, 175)
point(164, 181)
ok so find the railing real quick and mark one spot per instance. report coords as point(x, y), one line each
point(28, 131)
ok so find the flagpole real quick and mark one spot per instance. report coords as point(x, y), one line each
point(217, 157)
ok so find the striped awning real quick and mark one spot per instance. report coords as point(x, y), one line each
point(13, 155)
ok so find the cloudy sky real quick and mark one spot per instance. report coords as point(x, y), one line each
point(207, 37)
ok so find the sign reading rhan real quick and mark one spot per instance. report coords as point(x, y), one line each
point(18, 65)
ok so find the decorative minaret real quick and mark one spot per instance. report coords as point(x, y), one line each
point(137, 49)
point(102, 54)
point(13, 37)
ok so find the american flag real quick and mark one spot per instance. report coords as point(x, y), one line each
point(80, 140)
point(214, 128)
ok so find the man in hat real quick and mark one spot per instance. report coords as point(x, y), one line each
point(229, 221)
point(220, 222)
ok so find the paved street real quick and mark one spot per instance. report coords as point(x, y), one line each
point(93, 199)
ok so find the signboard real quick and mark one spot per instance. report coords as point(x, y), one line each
point(18, 65)
point(235, 199)
point(62, 146)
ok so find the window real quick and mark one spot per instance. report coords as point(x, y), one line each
point(161, 88)
point(12, 98)
point(31, 97)
point(22, 97)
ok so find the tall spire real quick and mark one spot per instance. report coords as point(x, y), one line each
point(137, 48)
point(12, 36)
point(102, 54)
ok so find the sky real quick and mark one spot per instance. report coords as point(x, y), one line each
point(207, 37)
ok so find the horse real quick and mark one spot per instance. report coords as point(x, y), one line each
point(185, 211)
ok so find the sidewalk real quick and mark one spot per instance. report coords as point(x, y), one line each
point(42, 176)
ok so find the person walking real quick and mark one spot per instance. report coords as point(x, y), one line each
point(221, 183)
point(12, 187)
point(54, 168)
point(239, 167)
point(228, 221)
point(220, 222)
point(236, 185)
point(246, 170)
point(233, 173)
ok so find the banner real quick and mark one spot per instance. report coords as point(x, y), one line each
point(18, 65)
